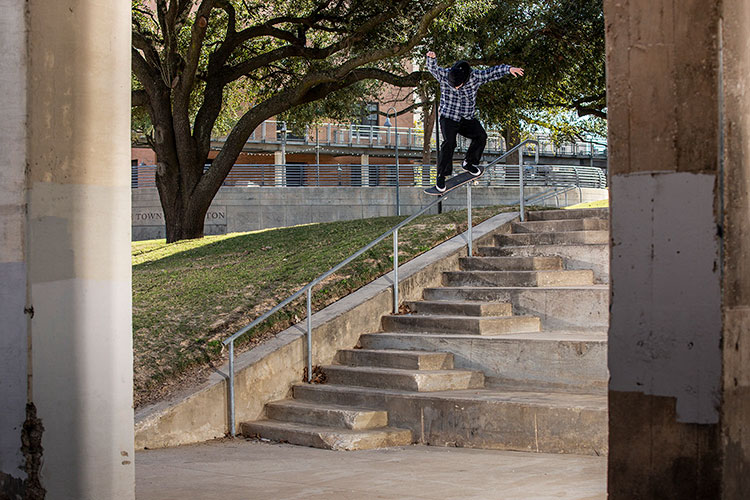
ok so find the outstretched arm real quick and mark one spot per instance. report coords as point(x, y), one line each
point(439, 73)
point(497, 72)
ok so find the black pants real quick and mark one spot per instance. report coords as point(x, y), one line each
point(471, 129)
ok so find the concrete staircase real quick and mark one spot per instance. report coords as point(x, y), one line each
point(509, 354)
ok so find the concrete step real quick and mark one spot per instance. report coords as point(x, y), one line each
point(493, 418)
point(392, 358)
point(558, 308)
point(560, 238)
point(565, 225)
point(461, 308)
point(302, 412)
point(559, 360)
point(405, 380)
point(594, 257)
point(460, 325)
point(519, 278)
point(511, 263)
point(581, 213)
point(327, 437)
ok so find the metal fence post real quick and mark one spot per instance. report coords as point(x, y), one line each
point(309, 334)
point(395, 271)
point(520, 180)
point(231, 389)
point(468, 210)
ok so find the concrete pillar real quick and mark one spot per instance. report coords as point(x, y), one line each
point(678, 137)
point(365, 162)
point(734, 164)
point(13, 333)
point(66, 248)
point(279, 169)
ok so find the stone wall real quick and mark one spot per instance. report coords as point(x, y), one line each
point(247, 209)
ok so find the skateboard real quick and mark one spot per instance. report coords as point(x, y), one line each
point(455, 181)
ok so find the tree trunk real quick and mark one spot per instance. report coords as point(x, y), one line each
point(512, 137)
point(184, 213)
point(429, 125)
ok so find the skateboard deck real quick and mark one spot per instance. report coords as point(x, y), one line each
point(455, 181)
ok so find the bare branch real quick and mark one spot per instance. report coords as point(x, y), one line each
point(147, 13)
point(582, 111)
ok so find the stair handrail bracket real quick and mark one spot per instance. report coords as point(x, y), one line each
point(307, 289)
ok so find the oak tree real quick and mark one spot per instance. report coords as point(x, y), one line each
point(194, 59)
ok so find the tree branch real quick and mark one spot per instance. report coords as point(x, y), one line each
point(146, 74)
point(582, 111)
point(196, 44)
point(254, 63)
point(142, 43)
point(397, 50)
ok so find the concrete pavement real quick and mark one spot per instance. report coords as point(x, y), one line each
point(249, 469)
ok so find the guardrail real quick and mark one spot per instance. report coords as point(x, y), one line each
point(357, 175)
point(326, 138)
point(307, 289)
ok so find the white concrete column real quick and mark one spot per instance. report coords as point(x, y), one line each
point(78, 257)
point(365, 161)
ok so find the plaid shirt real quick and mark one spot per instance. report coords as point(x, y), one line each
point(461, 103)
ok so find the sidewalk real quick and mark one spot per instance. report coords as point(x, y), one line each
point(239, 469)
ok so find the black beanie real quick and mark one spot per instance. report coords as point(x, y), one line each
point(459, 73)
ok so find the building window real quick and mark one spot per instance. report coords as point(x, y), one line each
point(369, 118)
point(370, 114)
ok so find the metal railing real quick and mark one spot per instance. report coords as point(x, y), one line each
point(384, 175)
point(307, 289)
point(410, 138)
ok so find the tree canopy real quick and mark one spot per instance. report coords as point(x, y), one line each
point(560, 44)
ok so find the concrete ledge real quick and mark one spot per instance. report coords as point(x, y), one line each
point(267, 372)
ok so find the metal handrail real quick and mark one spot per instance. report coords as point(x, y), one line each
point(308, 288)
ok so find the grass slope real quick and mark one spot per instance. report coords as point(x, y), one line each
point(189, 296)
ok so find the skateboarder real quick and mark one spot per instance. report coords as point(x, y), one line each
point(458, 97)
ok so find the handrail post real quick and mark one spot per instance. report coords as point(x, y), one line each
point(520, 180)
point(468, 211)
point(309, 334)
point(231, 389)
point(395, 271)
